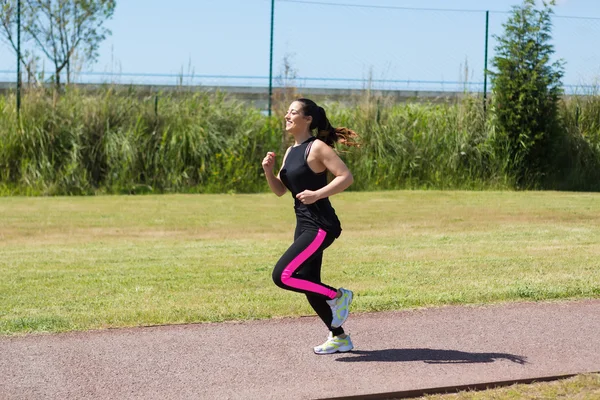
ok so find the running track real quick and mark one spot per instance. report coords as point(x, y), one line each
point(395, 352)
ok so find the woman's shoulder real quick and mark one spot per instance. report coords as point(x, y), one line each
point(321, 147)
point(318, 143)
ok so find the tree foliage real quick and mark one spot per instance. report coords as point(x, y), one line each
point(526, 90)
point(58, 29)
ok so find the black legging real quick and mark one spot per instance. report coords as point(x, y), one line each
point(299, 270)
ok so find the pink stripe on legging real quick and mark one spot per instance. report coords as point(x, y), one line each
point(286, 275)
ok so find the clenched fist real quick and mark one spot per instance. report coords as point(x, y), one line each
point(269, 162)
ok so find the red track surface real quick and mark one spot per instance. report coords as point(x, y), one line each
point(394, 352)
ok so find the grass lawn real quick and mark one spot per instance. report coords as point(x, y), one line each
point(584, 387)
point(79, 263)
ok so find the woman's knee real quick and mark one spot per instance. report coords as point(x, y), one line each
point(277, 277)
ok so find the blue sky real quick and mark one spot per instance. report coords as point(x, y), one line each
point(231, 37)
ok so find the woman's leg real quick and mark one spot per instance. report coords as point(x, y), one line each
point(308, 245)
point(337, 341)
point(299, 267)
point(319, 304)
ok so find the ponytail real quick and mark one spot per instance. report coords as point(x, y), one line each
point(325, 131)
point(343, 135)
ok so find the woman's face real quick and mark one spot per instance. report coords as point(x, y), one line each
point(295, 120)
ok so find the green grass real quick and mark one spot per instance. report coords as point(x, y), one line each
point(584, 387)
point(79, 263)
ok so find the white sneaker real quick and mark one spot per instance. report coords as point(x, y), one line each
point(335, 344)
point(340, 308)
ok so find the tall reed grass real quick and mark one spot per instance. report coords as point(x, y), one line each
point(114, 142)
point(415, 145)
point(577, 166)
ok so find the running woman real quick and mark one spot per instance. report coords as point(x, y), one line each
point(304, 174)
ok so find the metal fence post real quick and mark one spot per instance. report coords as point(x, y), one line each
point(18, 59)
point(271, 57)
point(487, 24)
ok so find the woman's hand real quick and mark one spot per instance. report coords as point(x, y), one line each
point(307, 197)
point(269, 162)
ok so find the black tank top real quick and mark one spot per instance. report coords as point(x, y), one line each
point(297, 176)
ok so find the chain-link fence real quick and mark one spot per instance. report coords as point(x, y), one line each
point(351, 46)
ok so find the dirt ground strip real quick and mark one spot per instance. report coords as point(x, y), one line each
point(273, 359)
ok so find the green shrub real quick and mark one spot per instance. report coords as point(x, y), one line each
point(526, 90)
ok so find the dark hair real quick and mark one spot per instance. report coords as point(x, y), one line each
point(325, 131)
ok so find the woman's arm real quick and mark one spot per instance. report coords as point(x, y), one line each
point(274, 182)
point(343, 178)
